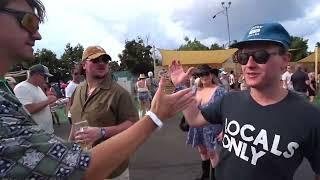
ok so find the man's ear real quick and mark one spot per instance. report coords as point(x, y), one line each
point(286, 59)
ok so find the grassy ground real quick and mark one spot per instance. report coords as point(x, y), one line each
point(317, 101)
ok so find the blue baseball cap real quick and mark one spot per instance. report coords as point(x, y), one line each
point(267, 32)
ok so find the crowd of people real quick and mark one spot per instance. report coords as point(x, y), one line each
point(301, 81)
point(264, 131)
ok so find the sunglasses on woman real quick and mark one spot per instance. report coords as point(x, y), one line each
point(27, 21)
point(260, 57)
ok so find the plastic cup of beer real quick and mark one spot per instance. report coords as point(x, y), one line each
point(81, 126)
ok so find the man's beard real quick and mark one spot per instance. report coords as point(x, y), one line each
point(99, 77)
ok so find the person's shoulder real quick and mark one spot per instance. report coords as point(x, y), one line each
point(24, 85)
point(236, 97)
point(236, 94)
point(83, 84)
point(302, 105)
point(72, 85)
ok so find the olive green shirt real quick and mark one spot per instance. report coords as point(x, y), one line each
point(108, 105)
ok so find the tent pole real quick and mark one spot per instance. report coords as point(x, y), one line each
point(316, 54)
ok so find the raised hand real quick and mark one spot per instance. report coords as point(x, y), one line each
point(51, 99)
point(166, 106)
point(177, 73)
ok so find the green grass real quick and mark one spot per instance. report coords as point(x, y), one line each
point(317, 100)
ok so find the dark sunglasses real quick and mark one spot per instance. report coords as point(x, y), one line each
point(260, 57)
point(103, 59)
point(28, 21)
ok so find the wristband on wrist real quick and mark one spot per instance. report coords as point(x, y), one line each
point(155, 119)
point(180, 87)
point(103, 133)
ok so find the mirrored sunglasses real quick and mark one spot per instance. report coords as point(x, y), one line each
point(28, 21)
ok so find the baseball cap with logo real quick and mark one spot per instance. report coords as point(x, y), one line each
point(93, 52)
point(267, 32)
point(39, 68)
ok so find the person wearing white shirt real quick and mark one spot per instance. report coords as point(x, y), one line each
point(72, 87)
point(34, 99)
point(286, 78)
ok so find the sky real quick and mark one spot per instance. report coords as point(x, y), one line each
point(166, 23)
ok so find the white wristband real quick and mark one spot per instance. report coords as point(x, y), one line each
point(155, 119)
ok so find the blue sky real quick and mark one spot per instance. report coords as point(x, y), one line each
point(165, 23)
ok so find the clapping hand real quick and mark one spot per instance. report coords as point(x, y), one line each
point(166, 106)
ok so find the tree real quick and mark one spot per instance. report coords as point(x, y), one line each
point(318, 44)
point(114, 66)
point(43, 56)
point(136, 57)
point(299, 48)
point(216, 46)
point(48, 58)
point(194, 45)
point(71, 56)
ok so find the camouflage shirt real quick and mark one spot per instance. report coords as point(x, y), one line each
point(28, 152)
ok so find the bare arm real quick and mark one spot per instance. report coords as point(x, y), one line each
point(108, 155)
point(36, 107)
point(92, 134)
point(113, 130)
point(111, 153)
point(317, 177)
point(285, 84)
point(193, 116)
point(311, 86)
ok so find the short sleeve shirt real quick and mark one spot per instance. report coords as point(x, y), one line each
point(70, 89)
point(265, 142)
point(287, 78)
point(108, 105)
point(28, 152)
point(298, 80)
point(30, 94)
point(69, 92)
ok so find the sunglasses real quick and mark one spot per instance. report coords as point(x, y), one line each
point(260, 57)
point(103, 59)
point(27, 21)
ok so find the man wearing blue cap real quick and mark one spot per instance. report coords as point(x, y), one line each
point(268, 129)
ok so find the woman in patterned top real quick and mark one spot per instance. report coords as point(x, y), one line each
point(205, 138)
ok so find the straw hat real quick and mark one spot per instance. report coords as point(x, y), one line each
point(142, 76)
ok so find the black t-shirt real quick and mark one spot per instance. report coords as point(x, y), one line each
point(299, 79)
point(265, 142)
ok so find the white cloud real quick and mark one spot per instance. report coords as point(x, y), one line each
point(307, 27)
point(109, 24)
